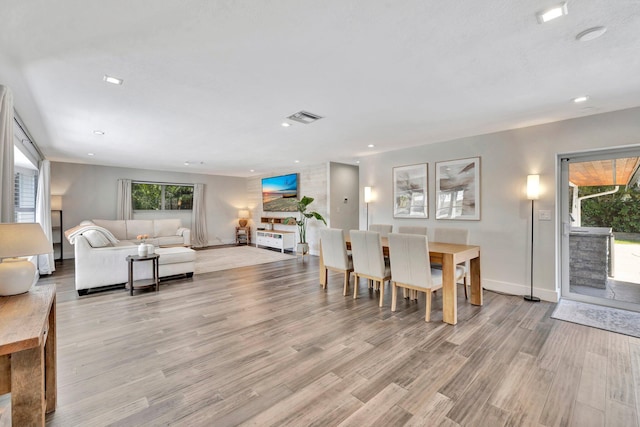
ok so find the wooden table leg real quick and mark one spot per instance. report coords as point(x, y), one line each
point(449, 291)
point(50, 354)
point(131, 277)
point(28, 387)
point(476, 285)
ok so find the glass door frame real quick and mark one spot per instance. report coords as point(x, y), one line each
point(563, 161)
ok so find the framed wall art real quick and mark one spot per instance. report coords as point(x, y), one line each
point(458, 189)
point(410, 197)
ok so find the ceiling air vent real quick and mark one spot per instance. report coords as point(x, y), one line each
point(304, 117)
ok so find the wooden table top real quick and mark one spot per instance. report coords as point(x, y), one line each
point(439, 247)
point(23, 318)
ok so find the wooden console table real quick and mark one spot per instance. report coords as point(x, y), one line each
point(28, 354)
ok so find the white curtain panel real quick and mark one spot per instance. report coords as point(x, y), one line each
point(6, 155)
point(46, 262)
point(125, 210)
point(199, 234)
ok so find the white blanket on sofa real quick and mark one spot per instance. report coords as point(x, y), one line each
point(77, 231)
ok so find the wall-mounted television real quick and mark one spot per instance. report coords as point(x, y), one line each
point(280, 193)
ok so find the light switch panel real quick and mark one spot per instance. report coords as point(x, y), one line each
point(544, 215)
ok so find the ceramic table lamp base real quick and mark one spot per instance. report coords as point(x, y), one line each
point(16, 276)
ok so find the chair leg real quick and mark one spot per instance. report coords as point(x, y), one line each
point(346, 283)
point(427, 317)
point(326, 278)
point(381, 292)
point(394, 295)
point(355, 285)
point(464, 283)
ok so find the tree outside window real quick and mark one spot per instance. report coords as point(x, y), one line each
point(152, 197)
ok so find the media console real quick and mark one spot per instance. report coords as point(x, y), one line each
point(276, 239)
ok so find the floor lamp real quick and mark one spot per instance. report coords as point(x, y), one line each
point(533, 193)
point(367, 199)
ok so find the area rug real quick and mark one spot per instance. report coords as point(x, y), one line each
point(610, 319)
point(233, 257)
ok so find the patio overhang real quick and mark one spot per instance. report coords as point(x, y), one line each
point(624, 171)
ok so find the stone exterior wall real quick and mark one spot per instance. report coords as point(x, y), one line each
point(589, 259)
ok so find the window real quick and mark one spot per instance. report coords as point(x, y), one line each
point(154, 197)
point(25, 182)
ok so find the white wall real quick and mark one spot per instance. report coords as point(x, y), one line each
point(506, 159)
point(89, 192)
point(313, 182)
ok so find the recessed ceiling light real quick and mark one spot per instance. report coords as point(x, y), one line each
point(591, 34)
point(580, 99)
point(251, 170)
point(90, 154)
point(285, 124)
point(186, 163)
point(552, 13)
point(98, 132)
point(358, 162)
point(370, 145)
point(296, 161)
point(112, 80)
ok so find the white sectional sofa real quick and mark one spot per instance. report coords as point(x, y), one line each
point(102, 246)
point(161, 232)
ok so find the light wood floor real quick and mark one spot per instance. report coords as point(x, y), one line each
point(265, 345)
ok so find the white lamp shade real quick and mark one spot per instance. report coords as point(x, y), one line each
point(533, 187)
point(368, 196)
point(243, 213)
point(56, 203)
point(23, 239)
point(18, 240)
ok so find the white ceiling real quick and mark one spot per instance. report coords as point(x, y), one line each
point(212, 80)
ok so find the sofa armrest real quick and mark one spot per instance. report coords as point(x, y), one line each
point(186, 235)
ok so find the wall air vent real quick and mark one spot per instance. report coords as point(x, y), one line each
point(304, 117)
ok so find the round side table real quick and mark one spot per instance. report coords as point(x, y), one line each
point(154, 266)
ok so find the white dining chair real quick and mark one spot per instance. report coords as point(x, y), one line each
point(368, 260)
point(334, 255)
point(383, 229)
point(406, 229)
point(459, 236)
point(411, 268)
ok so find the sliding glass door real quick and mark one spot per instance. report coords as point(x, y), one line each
point(600, 227)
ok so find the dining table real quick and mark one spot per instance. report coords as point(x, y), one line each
point(448, 255)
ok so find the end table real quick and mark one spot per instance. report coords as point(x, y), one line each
point(243, 235)
point(154, 266)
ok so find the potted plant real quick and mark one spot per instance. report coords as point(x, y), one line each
point(303, 245)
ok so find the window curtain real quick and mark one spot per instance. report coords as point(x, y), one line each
point(199, 234)
point(6, 155)
point(124, 207)
point(46, 262)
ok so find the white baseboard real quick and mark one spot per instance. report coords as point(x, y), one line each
point(516, 289)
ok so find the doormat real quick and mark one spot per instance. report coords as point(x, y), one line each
point(607, 318)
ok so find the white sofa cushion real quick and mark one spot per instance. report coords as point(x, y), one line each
point(136, 227)
point(96, 239)
point(117, 227)
point(175, 255)
point(166, 227)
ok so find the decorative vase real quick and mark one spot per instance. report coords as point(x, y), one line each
point(142, 249)
point(150, 249)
